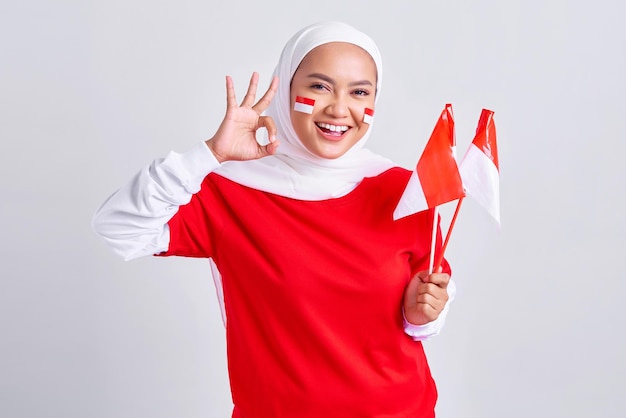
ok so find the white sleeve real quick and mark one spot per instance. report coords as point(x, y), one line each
point(133, 221)
point(424, 332)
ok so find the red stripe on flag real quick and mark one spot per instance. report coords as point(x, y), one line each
point(437, 168)
point(485, 139)
point(452, 132)
point(305, 100)
point(369, 111)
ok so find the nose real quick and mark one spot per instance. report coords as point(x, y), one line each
point(338, 107)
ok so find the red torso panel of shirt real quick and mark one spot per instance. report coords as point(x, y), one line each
point(313, 294)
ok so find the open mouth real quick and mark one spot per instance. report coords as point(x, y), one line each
point(332, 130)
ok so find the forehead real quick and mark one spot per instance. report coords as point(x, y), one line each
point(338, 54)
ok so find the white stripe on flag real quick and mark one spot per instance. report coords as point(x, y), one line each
point(301, 106)
point(304, 108)
point(481, 180)
point(368, 115)
point(413, 199)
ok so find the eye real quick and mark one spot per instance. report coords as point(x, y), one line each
point(319, 86)
point(361, 92)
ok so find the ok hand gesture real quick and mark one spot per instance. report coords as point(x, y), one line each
point(235, 139)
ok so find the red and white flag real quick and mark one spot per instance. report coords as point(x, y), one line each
point(436, 179)
point(368, 115)
point(304, 105)
point(480, 169)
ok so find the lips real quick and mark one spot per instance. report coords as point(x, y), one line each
point(332, 130)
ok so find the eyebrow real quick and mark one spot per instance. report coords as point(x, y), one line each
point(331, 81)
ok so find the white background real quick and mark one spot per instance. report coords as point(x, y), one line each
point(90, 91)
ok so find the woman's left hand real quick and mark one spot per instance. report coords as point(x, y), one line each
point(425, 297)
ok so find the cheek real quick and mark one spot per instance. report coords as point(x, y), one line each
point(299, 121)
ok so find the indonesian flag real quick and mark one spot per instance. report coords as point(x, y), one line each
point(480, 169)
point(368, 115)
point(304, 105)
point(436, 179)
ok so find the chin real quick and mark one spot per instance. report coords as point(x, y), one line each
point(331, 154)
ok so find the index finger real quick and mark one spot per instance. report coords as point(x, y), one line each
point(265, 101)
point(440, 279)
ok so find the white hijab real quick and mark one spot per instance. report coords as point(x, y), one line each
point(294, 171)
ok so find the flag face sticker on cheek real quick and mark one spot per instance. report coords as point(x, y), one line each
point(304, 105)
point(368, 115)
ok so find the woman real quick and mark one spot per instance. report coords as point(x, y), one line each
point(320, 285)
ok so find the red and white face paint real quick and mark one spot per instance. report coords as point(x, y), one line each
point(304, 105)
point(368, 115)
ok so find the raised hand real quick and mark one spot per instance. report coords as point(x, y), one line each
point(235, 138)
point(425, 297)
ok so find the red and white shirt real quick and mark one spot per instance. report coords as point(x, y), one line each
point(312, 289)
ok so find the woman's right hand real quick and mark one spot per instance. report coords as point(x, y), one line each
point(235, 139)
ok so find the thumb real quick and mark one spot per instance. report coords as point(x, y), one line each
point(270, 149)
point(268, 123)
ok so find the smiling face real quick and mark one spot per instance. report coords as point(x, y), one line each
point(341, 78)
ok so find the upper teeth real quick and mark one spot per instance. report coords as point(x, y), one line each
point(334, 128)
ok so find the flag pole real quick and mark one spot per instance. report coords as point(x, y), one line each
point(445, 243)
point(433, 240)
